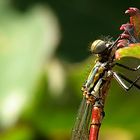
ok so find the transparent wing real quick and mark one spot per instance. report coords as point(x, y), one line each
point(82, 124)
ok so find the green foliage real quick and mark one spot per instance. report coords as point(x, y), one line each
point(133, 50)
point(27, 41)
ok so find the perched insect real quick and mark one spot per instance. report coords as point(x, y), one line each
point(91, 111)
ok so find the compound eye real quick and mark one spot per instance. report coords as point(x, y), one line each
point(98, 46)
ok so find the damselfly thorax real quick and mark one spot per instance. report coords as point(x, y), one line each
point(96, 79)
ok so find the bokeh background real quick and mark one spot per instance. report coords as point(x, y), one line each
point(45, 59)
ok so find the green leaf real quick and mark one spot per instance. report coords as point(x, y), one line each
point(27, 41)
point(133, 50)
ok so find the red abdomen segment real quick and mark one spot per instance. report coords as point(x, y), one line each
point(97, 116)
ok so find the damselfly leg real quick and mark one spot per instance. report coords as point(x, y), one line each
point(123, 85)
point(128, 68)
point(128, 80)
point(118, 77)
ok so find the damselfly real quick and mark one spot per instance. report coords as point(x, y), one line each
point(91, 111)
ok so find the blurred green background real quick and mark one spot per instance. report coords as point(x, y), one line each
point(44, 60)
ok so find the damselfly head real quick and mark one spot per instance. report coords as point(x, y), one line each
point(98, 46)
